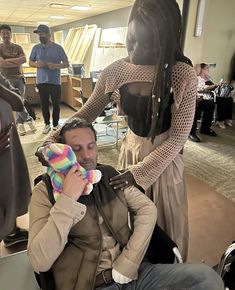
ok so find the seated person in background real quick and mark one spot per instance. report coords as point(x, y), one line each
point(85, 239)
point(205, 104)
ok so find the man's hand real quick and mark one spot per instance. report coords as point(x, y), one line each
point(122, 181)
point(52, 65)
point(40, 63)
point(2, 62)
point(4, 140)
point(74, 183)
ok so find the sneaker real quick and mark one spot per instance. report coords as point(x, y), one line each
point(46, 129)
point(209, 133)
point(56, 127)
point(21, 129)
point(32, 126)
point(18, 237)
point(194, 138)
point(228, 122)
point(221, 124)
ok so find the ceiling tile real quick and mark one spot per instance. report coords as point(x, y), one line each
point(28, 12)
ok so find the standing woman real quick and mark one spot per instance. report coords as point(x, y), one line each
point(157, 86)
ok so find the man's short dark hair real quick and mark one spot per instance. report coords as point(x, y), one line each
point(5, 26)
point(75, 123)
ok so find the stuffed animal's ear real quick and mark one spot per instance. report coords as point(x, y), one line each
point(56, 148)
point(94, 176)
point(98, 175)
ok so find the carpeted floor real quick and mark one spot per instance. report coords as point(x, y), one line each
point(213, 161)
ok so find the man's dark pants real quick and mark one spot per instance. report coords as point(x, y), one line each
point(204, 109)
point(45, 92)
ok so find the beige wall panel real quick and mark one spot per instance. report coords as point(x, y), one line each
point(217, 43)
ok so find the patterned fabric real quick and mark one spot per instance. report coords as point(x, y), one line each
point(184, 87)
point(61, 159)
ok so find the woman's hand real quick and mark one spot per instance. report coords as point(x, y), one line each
point(122, 181)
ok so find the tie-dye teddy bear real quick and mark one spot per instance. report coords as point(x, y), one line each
point(61, 159)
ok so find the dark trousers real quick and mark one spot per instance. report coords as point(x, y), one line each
point(224, 108)
point(45, 92)
point(204, 110)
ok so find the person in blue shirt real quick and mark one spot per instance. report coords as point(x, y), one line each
point(48, 57)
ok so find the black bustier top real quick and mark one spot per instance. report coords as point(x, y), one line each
point(135, 108)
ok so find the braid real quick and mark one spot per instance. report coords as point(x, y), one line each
point(164, 19)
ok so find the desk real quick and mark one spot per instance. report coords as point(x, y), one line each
point(103, 130)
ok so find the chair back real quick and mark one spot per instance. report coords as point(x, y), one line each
point(16, 273)
point(161, 249)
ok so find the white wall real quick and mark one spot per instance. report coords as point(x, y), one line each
point(117, 18)
point(217, 43)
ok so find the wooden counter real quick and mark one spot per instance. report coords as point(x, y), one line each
point(32, 95)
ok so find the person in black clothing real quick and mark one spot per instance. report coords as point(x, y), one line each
point(15, 189)
point(224, 102)
point(205, 105)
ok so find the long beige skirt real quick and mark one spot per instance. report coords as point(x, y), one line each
point(168, 192)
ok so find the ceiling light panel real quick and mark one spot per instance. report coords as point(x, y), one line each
point(59, 5)
point(81, 8)
point(57, 17)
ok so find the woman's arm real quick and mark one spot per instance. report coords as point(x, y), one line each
point(91, 110)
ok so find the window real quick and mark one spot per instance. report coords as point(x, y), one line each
point(113, 37)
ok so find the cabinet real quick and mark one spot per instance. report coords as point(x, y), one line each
point(74, 95)
point(32, 95)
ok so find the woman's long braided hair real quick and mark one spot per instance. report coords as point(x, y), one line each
point(164, 19)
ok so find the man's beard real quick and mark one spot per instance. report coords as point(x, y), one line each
point(43, 40)
point(88, 164)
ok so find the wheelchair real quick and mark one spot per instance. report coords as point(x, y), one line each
point(226, 267)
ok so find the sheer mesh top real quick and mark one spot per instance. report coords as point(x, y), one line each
point(184, 86)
